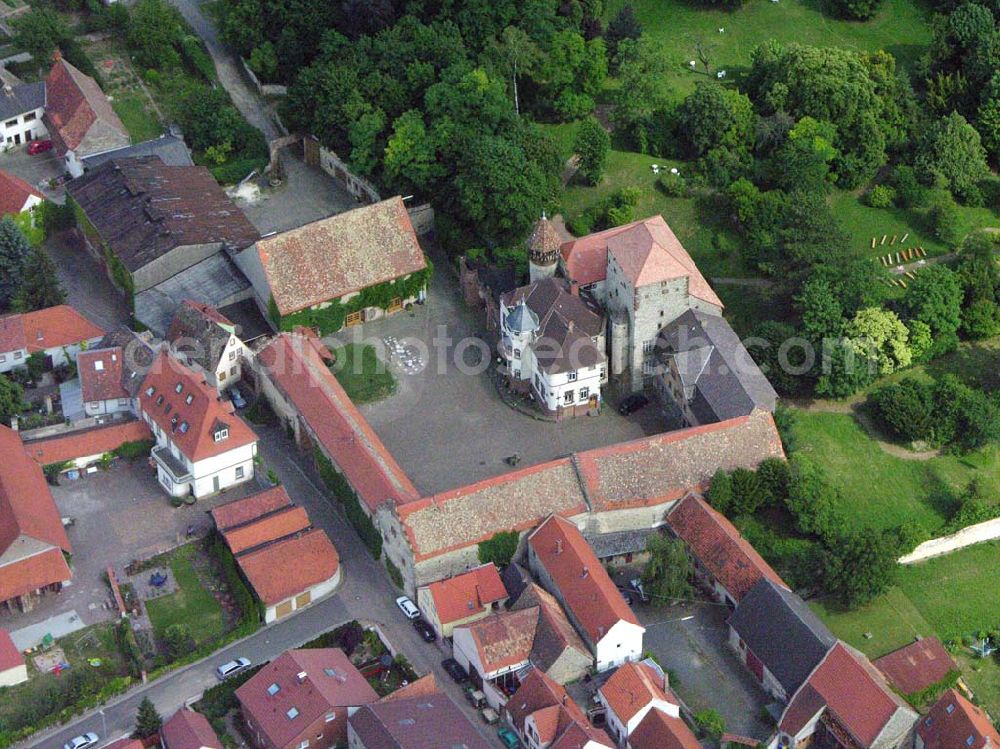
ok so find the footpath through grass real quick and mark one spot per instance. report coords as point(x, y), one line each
point(193, 605)
point(364, 376)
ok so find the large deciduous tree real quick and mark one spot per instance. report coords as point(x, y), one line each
point(952, 150)
point(592, 144)
point(668, 572)
point(935, 298)
point(880, 334)
point(860, 566)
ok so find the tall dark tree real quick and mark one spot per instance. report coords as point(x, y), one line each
point(624, 25)
point(11, 399)
point(860, 567)
point(40, 287)
point(14, 252)
point(147, 719)
point(592, 144)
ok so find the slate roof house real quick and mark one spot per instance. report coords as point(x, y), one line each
point(418, 716)
point(22, 106)
point(303, 698)
point(148, 223)
point(298, 275)
point(645, 279)
point(60, 333)
point(845, 704)
point(778, 638)
point(543, 715)
point(16, 195)
point(567, 567)
point(954, 722)
point(552, 342)
point(707, 375)
point(33, 542)
point(79, 116)
point(557, 648)
point(288, 562)
point(202, 446)
point(187, 729)
point(724, 561)
point(208, 342)
point(462, 599)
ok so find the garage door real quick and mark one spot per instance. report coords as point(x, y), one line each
point(284, 609)
point(303, 600)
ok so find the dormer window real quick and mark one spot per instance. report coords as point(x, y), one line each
point(292, 713)
point(150, 390)
point(221, 434)
point(950, 709)
point(98, 366)
point(189, 399)
point(183, 427)
point(178, 388)
point(273, 689)
point(159, 400)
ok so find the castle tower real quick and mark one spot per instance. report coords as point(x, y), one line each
point(543, 250)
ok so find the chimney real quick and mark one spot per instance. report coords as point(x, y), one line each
point(574, 288)
point(56, 55)
point(585, 572)
point(301, 676)
point(558, 546)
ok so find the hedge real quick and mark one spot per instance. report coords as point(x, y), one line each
point(343, 493)
point(251, 609)
point(133, 450)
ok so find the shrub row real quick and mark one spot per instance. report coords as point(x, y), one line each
point(341, 490)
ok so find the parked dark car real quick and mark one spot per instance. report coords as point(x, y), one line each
point(454, 669)
point(425, 630)
point(626, 595)
point(632, 403)
point(237, 398)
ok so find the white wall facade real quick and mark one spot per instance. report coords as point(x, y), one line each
point(110, 406)
point(24, 128)
point(13, 676)
point(621, 644)
point(567, 389)
point(13, 359)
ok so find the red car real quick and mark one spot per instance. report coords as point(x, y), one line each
point(39, 146)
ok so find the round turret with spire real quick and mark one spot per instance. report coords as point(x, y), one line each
point(543, 250)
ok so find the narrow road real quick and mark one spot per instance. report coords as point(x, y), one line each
point(366, 594)
point(227, 66)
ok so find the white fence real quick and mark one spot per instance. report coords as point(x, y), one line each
point(973, 534)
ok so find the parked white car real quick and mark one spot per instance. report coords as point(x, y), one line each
point(408, 607)
point(232, 668)
point(82, 742)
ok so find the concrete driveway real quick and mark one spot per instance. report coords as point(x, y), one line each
point(35, 170)
point(689, 640)
point(307, 194)
point(448, 427)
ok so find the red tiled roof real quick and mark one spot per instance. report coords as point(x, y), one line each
point(916, 666)
point(26, 504)
point(96, 441)
point(583, 583)
point(14, 193)
point(287, 568)
point(189, 730)
point(954, 721)
point(52, 327)
point(316, 694)
point(10, 656)
point(295, 364)
point(648, 252)
point(340, 255)
point(630, 688)
point(100, 372)
point(504, 639)
point(206, 413)
point(568, 726)
point(852, 691)
point(250, 508)
point(284, 522)
point(74, 105)
point(665, 467)
point(129, 743)
point(661, 731)
point(719, 546)
point(465, 595)
point(30, 573)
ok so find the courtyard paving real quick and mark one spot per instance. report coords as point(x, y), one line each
point(446, 424)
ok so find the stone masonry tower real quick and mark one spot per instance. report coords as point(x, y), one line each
point(543, 250)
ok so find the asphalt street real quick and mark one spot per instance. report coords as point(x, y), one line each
point(366, 594)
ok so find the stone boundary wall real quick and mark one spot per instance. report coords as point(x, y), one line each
point(973, 534)
point(422, 218)
point(264, 89)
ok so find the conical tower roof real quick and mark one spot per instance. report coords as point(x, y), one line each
point(544, 239)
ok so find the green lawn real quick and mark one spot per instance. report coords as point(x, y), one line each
point(192, 605)
point(138, 118)
point(949, 596)
point(901, 28)
point(362, 374)
point(880, 490)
